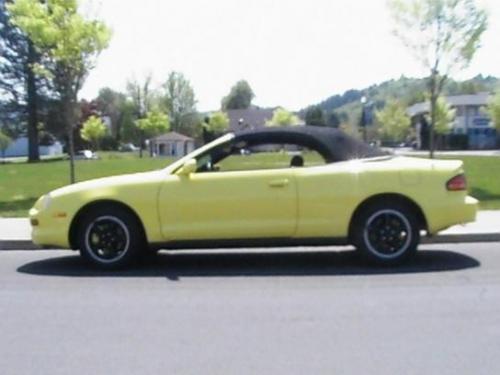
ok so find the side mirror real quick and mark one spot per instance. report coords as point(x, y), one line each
point(189, 167)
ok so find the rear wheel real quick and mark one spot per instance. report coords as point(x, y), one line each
point(386, 234)
point(110, 237)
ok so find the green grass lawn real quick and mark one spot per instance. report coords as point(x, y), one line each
point(483, 175)
point(21, 184)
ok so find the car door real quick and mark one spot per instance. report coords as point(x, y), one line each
point(229, 205)
point(327, 197)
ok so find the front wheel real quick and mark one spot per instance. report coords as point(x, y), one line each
point(110, 237)
point(386, 234)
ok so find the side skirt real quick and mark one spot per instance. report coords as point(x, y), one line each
point(249, 243)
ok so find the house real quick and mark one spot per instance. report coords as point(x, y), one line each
point(472, 123)
point(19, 147)
point(172, 144)
point(250, 118)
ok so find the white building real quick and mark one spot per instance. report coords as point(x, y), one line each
point(19, 147)
point(471, 119)
point(172, 144)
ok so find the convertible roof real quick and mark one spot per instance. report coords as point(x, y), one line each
point(333, 144)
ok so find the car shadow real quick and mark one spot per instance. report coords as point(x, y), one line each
point(175, 266)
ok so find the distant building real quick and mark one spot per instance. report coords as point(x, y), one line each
point(250, 118)
point(19, 148)
point(471, 121)
point(172, 144)
point(106, 120)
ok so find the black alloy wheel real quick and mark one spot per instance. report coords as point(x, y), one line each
point(110, 237)
point(387, 233)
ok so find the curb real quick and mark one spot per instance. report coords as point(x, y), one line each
point(18, 245)
point(444, 238)
point(462, 238)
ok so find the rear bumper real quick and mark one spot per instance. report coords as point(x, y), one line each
point(470, 210)
point(461, 212)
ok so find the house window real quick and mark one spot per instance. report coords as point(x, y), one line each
point(473, 111)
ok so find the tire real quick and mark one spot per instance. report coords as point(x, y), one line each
point(386, 233)
point(110, 237)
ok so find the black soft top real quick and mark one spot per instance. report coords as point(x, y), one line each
point(333, 144)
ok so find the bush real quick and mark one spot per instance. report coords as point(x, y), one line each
point(458, 141)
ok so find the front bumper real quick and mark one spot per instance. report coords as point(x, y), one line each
point(49, 229)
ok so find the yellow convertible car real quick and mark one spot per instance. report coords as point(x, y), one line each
point(268, 187)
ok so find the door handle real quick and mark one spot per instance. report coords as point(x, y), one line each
point(279, 183)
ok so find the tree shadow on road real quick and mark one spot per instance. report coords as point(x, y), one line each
point(175, 266)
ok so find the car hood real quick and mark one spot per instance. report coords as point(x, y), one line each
point(109, 182)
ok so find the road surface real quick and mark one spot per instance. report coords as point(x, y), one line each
point(257, 312)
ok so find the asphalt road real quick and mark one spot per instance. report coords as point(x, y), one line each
point(290, 312)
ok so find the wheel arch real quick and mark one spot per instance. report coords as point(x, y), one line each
point(72, 234)
point(392, 197)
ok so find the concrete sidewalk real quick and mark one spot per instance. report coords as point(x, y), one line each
point(15, 233)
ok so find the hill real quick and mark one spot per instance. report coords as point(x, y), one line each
point(347, 106)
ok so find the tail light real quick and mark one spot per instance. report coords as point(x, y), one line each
point(457, 183)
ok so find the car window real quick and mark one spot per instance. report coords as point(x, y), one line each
point(240, 157)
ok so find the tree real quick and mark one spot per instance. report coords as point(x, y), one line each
point(142, 95)
point(218, 122)
point(394, 121)
point(282, 117)
point(5, 141)
point(240, 96)
point(214, 125)
point(444, 116)
point(143, 98)
point(444, 35)
point(70, 42)
point(129, 130)
point(19, 87)
point(333, 120)
point(179, 101)
point(315, 116)
point(155, 123)
point(93, 131)
point(494, 110)
point(111, 103)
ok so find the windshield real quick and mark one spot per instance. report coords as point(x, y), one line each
point(193, 155)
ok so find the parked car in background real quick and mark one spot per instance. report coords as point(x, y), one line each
point(85, 155)
point(128, 147)
point(246, 189)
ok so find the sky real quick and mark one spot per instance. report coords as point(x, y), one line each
point(292, 52)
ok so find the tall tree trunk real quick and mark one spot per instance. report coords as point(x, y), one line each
point(119, 122)
point(434, 97)
point(141, 145)
point(33, 152)
point(71, 152)
point(432, 136)
point(69, 104)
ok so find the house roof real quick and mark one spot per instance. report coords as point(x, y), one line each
point(479, 99)
point(250, 118)
point(172, 136)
